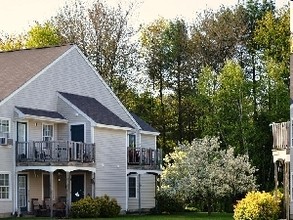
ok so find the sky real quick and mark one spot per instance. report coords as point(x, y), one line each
point(17, 16)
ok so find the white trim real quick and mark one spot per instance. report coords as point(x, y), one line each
point(76, 109)
point(92, 134)
point(84, 130)
point(136, 186)
point(27, 190)
point(112, 127)
point(36, 75)
point(93, 123)
point(9, 186)
point(126, 177)
point(53, 130)
point(107, 87)
point(291, 187)
point(41, 118)
point(54, 168)
point(159, 172)
point(150, 132)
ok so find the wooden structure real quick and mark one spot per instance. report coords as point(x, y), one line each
point(281, 159)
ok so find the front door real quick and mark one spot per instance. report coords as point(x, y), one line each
point(77, 135)
point(22, 192)
point(22, 139)
point(77, 187)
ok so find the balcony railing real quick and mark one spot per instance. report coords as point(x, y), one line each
point(55, 151)
point(144, 158)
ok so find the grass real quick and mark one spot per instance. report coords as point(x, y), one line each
point(180, 216)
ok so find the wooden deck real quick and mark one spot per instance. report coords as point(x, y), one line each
point(54, 152)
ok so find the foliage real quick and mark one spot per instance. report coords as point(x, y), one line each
point(11, 42)
point(85, 208)
point(108, 206)
point(88, 207)
point(169, 203)
point(202, 170)
point(103, 34)
point(258, 205)
point(42, 36)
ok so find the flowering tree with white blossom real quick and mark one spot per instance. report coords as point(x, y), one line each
point(202, 170)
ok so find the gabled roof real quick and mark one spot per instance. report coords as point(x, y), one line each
point(144, 126)
point(19, 66)
point(95, 110)
point(39, 113)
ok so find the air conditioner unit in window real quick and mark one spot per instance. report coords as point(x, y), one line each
point(3, 140)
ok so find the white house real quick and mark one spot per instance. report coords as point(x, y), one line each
point(64, 135)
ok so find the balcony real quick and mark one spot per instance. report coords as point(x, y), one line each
point(144, 158)
point(54, 153)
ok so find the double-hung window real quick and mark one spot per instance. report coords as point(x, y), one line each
point(47, 132)
point(4, 186)
point(4, 130)
point(132, 140)
point(132, 187)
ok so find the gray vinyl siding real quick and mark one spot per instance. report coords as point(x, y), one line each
point(63, 132)
point(71, 115)
point(111, 164)
point(6, 165)
point(147, 190)
point(71, 74)
point(148, 141)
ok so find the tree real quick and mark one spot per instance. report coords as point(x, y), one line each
point(103, 34)
point(11, 42)
point(202, 170)
point(42, 36)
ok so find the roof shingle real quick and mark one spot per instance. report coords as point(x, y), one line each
point(40, 112)
point(18, 67)
point(144, 126)
point(95, 110)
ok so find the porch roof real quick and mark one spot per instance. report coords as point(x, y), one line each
point(29, 113)
point(95, 110)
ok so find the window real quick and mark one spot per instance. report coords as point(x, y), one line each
point(131, 140)
point(132, 187)
point(4, 126)
point(4, 131)
point(4, 186)
point(47, 132)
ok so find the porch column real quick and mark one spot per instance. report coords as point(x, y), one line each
point(276, 174)
point(51, 192)
point(67, 193)
point(93, 182)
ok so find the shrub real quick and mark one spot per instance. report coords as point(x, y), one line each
point(88, 207)
point(258, 206)
point(85, 208)
point(169, 203)
point(108, 206)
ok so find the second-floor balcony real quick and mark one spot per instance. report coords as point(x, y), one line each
point(54, 152)
point(144, 158)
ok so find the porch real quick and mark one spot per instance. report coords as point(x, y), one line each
point(44, 193)
point(144, 158)
point(54, 152)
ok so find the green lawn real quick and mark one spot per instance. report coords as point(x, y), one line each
point(182, 216)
